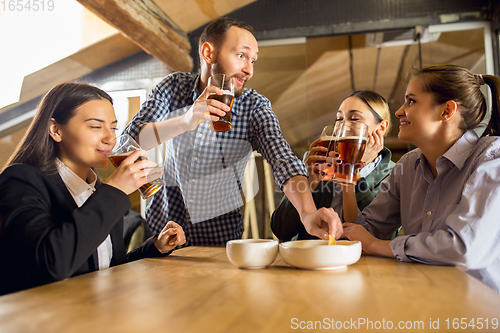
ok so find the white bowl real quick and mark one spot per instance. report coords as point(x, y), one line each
point(317, 254)
point(252, 253)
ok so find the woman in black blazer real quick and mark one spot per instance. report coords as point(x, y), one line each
point(57, 219)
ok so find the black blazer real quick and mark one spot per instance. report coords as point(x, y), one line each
point(45, 237)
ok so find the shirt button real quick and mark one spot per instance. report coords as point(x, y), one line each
point(429, 213)
point(200, 135)
point(193, 180)
point(196, 158)
point(190, 200)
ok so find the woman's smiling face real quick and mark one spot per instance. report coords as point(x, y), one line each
point(82, 141)
point(354, 109)
point(419, 116)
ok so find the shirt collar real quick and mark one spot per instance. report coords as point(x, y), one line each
point(370, 167)
point(75, 184)
point(459, 152)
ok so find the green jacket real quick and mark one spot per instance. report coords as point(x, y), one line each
point(285, 221)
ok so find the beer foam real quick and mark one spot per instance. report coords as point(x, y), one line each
point(356, 138)
point(127, 153)
point(328, 138)
point(227, 92)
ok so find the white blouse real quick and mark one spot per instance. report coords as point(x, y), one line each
point(81, 191)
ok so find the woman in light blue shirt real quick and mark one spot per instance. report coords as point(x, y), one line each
point(446, 193)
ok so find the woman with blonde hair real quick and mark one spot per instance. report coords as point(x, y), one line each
point(363, 106)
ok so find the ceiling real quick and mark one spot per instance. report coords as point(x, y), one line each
point(338, 48)
point(119, 43)
point(307, 82)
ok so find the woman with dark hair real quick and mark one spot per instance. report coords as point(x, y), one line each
point(57, 219)
point(446, 193)
point(363, 106)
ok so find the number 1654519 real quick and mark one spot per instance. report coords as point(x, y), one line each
point(474, 323)
point(27, 5)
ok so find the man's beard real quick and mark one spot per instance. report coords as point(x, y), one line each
point(218, 69)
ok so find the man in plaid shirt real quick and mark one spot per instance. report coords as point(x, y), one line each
point(204, 169)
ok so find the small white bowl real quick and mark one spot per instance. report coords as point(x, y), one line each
point(317, 254)
point(252, 253)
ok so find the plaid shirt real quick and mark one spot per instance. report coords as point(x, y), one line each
point(204, 169)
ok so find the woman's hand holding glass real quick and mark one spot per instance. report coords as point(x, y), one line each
point(313, 161)
point(141, 170)
point(374, 146)
point(133, 172)
point(171, 236)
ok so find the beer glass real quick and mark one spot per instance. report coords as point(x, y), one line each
point(225, 83)
point(350, 142)
point(327, 140)
point(119, 149)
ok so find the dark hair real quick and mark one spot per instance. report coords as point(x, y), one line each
point(455, 83)
point(377, 104)
point(37, 148)
point(215, 31)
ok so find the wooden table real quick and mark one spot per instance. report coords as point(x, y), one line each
point(196, 289)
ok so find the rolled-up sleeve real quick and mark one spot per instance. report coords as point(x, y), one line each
point(398, 248)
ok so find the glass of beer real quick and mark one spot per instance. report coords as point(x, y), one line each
point(327, 140)
point(225, 83)
point(119, 149)
point(350, 142)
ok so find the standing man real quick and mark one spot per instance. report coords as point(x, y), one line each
point(204, 169)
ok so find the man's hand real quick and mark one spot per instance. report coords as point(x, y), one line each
point(322, 223)
point(204, 109)
point(317, 222)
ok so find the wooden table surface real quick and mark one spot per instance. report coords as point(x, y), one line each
point(196, 289)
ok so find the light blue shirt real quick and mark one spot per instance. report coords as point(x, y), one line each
point(453, 219)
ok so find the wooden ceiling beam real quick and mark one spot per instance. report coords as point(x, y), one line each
point(143, 22)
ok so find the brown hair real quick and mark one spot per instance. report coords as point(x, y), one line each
point(377, 104)
point(37, 147)
point(215, 31)
point(455, 83)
